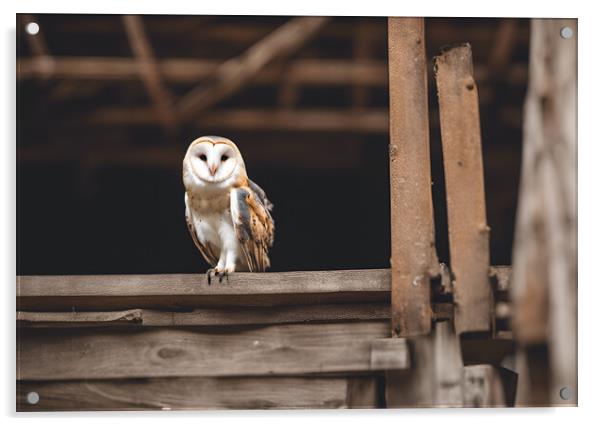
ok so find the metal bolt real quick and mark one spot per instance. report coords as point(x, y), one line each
point(566, 32)
point(32, 28)
point(566, 393)
point(33, 398)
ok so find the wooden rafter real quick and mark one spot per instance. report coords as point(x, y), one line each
point(367, 121)
point(187, 70)
point(234, 73)
point(149, 71)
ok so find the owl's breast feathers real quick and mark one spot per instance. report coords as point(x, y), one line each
point(253, 223)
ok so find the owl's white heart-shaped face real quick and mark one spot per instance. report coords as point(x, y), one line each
point(212, 162)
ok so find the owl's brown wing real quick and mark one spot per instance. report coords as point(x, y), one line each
point(206, 250)
point(254, 226)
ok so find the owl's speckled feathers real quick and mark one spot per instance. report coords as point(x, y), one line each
point(228, 215)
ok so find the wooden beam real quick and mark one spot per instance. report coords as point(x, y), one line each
point(283, 350)
point(413, 257)
point(234, 73)
point(465, 188)
point(149, 72)
point(310, 120)
point(207, 317)
point(188, 70)
point(185, 292)
point(200, 393)
point(106, 292)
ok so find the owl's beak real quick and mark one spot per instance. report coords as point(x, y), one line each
point(212, 170)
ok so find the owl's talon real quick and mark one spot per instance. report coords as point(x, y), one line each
point(209, 272)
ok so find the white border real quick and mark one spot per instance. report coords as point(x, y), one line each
point(590, 213)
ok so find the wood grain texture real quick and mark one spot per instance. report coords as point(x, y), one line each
point(185, 292)
point(180, 291)
point(207, 317)
point(413, 257)
point(194, 393)
point(465, 188)
point(165, 352)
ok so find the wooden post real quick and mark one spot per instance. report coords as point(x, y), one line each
point(413, 257)
point(463, 164)
point(436, 376)
point(544, 290)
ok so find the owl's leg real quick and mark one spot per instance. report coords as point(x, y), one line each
point(209, 272)
point(230, 264)
point(219, 269)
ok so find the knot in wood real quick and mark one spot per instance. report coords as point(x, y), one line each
point(469, 82)
point(168, 353)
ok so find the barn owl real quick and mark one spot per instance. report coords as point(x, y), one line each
point(228, 215)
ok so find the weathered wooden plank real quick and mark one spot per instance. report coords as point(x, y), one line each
point(463, 164)
point(184, 292)
point(235, 72)
point(195, 393)
point(545, 243)
point(110, 292)
point(207, 317)
point(413, 257)
point(165, 352)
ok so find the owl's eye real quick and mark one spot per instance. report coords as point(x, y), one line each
point(203, 157)
point(224, 157)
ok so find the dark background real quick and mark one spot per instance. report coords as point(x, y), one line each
point(99, 196)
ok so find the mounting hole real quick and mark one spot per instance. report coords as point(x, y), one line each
point(33, 398)
point(32, 28)
point(566, 393)
point(566, 32)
